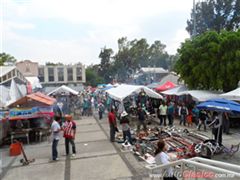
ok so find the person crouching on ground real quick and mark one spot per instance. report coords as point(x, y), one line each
point(161, 157)
point(112, 124)
point(69, 132)
point(125, 127)
point(55, 128)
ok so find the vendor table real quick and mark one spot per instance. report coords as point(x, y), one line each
point(40, 132)
point(20, 133)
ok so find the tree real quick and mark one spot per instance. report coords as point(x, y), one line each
point(6, 58)
point(157, 55)
point(105, 70)
point(132, 55)
point(210, 61)
point(92, 78)
point(215, 15)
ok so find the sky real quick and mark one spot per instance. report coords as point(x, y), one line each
point(72, 31)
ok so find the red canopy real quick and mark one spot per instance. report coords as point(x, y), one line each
point(167, 85)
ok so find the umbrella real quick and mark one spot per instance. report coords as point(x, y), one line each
point(221, 105)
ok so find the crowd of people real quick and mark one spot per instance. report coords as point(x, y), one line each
point(140, 105)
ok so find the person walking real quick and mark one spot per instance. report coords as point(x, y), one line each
point(112, 124)
point(125, 127)
point(100, 110)
point(163, 113)
point(202, 119)
point(183, 112)
point(216, 125)
point(170, 113)
point(55, 129)
point(161, 157)
point(69, 132)
point(195, 117)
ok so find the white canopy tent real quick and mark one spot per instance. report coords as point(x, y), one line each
point(175, 91)
point(200, 95)
point(4, 98)
point(65, 89)
point(14, 92)
point(34, 81)
point(232, 95)
point(122, 91)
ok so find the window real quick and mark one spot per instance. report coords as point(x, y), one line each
point(9, 75)
point(50, 74)
point(79, 74)
point(70, 74)
point(14, 72)
point(4, 78)
point(60, 72)
point(41, 74)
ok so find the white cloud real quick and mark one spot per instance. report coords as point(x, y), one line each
point(108, 19)
point(42, 51)
point(174, 43)
point(18, 25)
point(98, 12)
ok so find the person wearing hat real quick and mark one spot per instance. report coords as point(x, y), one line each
point(125, 127)
point(112, 124)
point(69, 132)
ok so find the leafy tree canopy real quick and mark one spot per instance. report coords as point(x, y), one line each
point(92, 77)
point(132, 55)
point(215, 15)
point(211, 61)
point(6, 58)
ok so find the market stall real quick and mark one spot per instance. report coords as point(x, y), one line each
point(232, 95)
point(67, 99)
point(30, 117)
point(122, 91)
point(167, 85)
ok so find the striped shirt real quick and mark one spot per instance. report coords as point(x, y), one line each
point(69, 128)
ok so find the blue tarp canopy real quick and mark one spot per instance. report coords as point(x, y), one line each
point(221, 105)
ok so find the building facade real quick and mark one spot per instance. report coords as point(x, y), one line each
point(28, 68)
point(61, 75)
point(7, 73)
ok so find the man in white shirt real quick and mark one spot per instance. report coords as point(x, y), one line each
point(163, 113)
point(55, 128)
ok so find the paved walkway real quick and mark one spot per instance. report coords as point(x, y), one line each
point(96, 158)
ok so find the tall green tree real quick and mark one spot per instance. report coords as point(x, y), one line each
point(6, 58)
point(105, 65)
point(132, 55)
point(157, 55)
point(211, 61)
point(215, 15)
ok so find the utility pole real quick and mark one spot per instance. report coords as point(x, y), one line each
point(194, 19)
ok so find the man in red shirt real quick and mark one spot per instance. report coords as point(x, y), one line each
point(112, 124)
point(69, 131)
